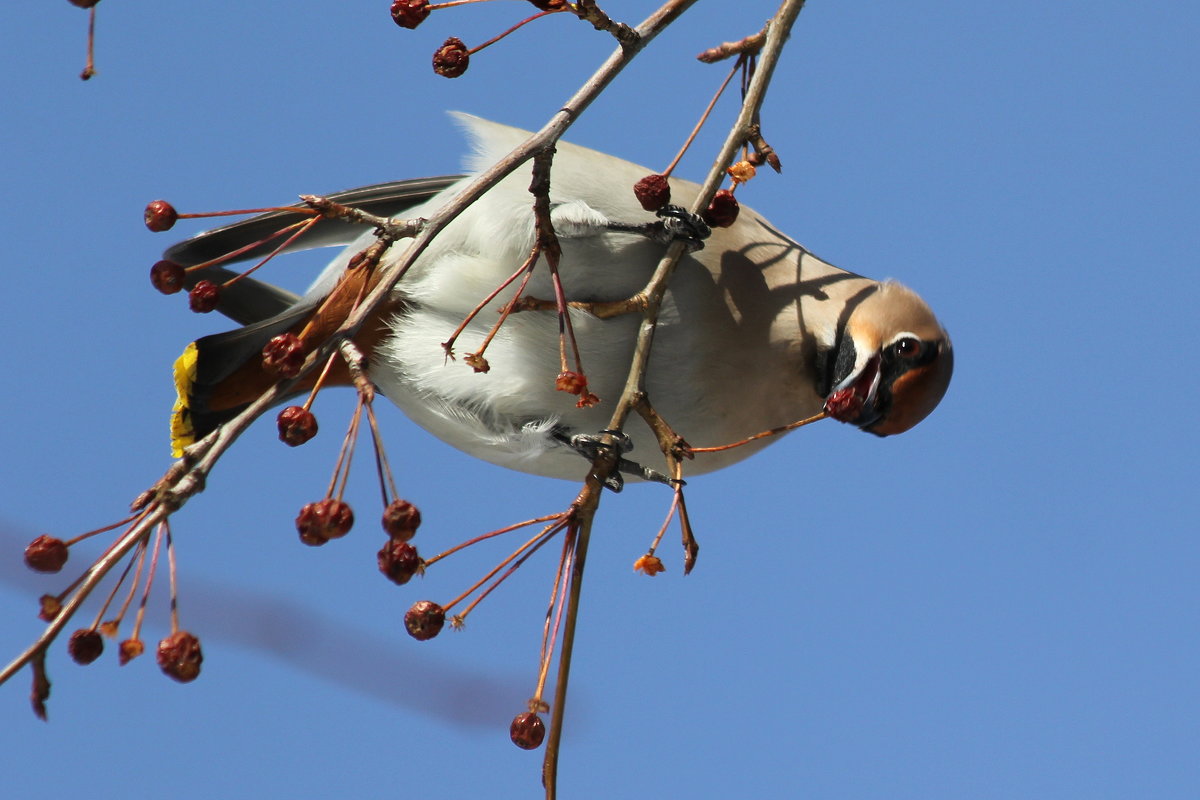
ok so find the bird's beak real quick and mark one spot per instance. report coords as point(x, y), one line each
point(854, 400)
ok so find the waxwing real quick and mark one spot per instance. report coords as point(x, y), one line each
point(755, 331)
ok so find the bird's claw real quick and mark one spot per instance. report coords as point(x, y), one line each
point(589, 445)
point(677, 222)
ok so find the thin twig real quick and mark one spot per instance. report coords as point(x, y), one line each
point(777, 31)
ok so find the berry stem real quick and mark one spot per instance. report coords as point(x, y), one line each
point(301, 228)
point(493, 534)
point(540, 538)
point(171, 575)
point(513, 29)
point(703, 117)
point(556, 606)
point(141, 612)
point(526, 268)
point(791, 426)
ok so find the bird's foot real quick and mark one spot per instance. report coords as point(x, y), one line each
point(590, 445)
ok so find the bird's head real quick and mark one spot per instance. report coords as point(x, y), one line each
point(892, 364)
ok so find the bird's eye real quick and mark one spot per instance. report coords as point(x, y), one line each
point(907, 347)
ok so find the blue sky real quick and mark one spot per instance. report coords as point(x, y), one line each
point(999, 604)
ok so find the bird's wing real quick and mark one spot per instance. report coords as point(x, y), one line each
point(248, 300)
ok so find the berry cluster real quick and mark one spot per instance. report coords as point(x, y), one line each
point(179, 654)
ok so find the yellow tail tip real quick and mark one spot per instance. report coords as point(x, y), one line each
point(182, 432)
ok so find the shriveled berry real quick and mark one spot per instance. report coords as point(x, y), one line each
point(324, 520)
point(49, 607)
point(179, 656)
point(160, 215)
point(204, 297)
point(570, 382)
point(653, 192)
point(129, 649)
point(844, 405)
point(723, 210)
point(527, 731)
point(401, 520)
point(549, 5)
point(46, 554)
point(409, 13)
point(84, 3)
point(284, 355)
point(424, 620)
point(452, 58)
point(167, 276)
point(85, 645)
point(296, 425)
point(399, 561)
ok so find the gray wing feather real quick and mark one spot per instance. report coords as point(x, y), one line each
point(249, 300)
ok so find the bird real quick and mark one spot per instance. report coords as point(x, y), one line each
point(754, 331)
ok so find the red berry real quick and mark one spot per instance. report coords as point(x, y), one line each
point(46, 554)
point(324, 520)
point(399, 561)
point(424, 620)
point(653, 192)
point(401, 520)
point(167, 276)
point(296, 425)
point(84, 3)
point(549, 5)
point(723, 210)
point(284, 355)
point(409, 13)
point(160, 216)
point(452, 58)
point(844, 405)
point(85, 645)
point(527, 731)
point(204, 297)
point(179, 656)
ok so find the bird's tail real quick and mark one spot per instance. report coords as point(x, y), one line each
point(217, 376)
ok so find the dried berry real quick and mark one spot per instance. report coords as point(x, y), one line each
point(85, 645)
point(424, 620)
point(204, 297)
point(723, 210)
point(844, 405)
point(296, 425)
point(409, 13)
point(50, 606)
point(46, 554)
point(399, 561)
point(401, 520)
point(167, 276)
point(160, 215)
point(324, 520)
point(527, 731)
point(129, 649)
point(284, 355)
point(653, 192)
point(179, 656)
point(452, 58)
point(477, 362)
point(84, 3)
point(549, 5)
point(741, 172)
point(651, 565)
point(570, 382)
